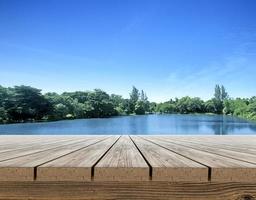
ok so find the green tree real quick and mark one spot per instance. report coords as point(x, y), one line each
point(4, 96)
point(60, 111)
point(100, 104)
point(139, 108)
point(124, 107)
point(252, 110)
point(183, 105)
point(134, 97)
point(165, 107)
point(220, 95)
point(210, 106)
point(217, 93)
point(224, 94)
point(79, 95)
point(3, 115)
point(79, 109)
point(152, 107)
point(241, 107)
point(28, 103)
point(144, 99)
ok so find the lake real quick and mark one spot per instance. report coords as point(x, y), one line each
point(144, 124)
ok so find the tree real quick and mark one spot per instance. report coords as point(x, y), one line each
point(3, 115)
point(124, 107)
point(224, 94)
point(210, 106)
point(166, 107)
point(117, 100)
point(28, 103)
point(252, 111)
point(183, 105)
point(218, 106)
point(217, 93)
point(241, 107)
point(4, 96)
point(195, 105)
point(152, 107)
point(79, 95)
point(139, 108)
point(220, 95)
point(227, 107)
point(100, 104)
point(134, 97)
point(60, 111)
point(23, 103)
point(144, 99)
point(79, 109)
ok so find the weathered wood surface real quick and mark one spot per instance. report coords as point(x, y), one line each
point(24, 167)
point(122, 162)
point(148, 190)
point(128, 167)
point(76, 166)
point(221, 168)
point(169, 166)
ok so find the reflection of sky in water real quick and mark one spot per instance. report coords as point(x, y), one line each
point(147, 124)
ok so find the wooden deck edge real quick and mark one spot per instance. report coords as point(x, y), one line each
point(127, 190)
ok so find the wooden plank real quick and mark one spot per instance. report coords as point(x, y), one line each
point(139, 190)
point(223, 169)
point(18, 142)
point(23, 168)
point(35, 144)
point(243, 142)
point(7, 143)
point(121, 163)
point(39, 148)
point(219, 151)
point(219, 145)
point(169, 166)
point(76, 166)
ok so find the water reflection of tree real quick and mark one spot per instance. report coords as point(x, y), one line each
point(185, 124)
point(225, 125)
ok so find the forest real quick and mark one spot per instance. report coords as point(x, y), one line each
point(25, 103)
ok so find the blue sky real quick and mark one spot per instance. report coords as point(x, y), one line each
point(169, 48)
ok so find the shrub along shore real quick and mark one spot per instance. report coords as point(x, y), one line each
point(25, 103)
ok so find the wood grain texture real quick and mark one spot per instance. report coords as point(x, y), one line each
point(122, 162)
point(40, 146)
point(76, 166)
point(22, 168)
point(126, 190)
point(247, 157)
point(219, 144)
point(64, 165)
point(223, 169)
point(14, 150)
point(169, 166)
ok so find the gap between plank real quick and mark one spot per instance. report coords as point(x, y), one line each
point(209, 168)
point(93, 167)
point(150, 167)
point(41, 151)
point(35, 168)
point(198, 149)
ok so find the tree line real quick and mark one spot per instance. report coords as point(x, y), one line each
point(221, 103)
point(25, 103)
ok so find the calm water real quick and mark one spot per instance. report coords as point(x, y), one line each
point(146, 124)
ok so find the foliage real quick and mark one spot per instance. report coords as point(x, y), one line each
point(139, 108)
point(24, 103)
point(134, 97)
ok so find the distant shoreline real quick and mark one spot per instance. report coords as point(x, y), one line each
point(71, 119)
point(28, 104)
